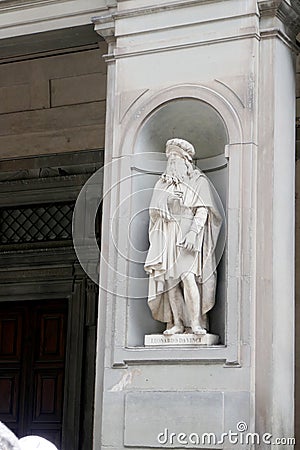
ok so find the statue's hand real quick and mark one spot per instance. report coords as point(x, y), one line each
point(189, 242)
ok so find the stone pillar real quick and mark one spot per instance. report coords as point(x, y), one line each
point(105, 26)
point(233, 65)
point(274, 349)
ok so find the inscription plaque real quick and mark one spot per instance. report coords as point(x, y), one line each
point(180, 340)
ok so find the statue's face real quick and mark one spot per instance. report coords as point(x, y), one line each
point(174, 156)
point(176, 165)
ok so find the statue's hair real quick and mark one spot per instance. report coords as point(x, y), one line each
point(181, 144)
point(189, 167)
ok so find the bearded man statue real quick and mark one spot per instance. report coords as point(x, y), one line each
point(183, 232)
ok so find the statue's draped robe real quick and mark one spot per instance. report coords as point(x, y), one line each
point(167, 261)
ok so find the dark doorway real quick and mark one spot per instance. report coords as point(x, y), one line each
point(38, 267)
point(33, 338)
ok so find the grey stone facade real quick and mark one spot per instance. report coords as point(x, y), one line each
point(222, 74)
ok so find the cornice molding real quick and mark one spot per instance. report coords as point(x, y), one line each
point(45, 15)
point(105, 26)
point(172, 5)
point(18, 4)
point(288, 14)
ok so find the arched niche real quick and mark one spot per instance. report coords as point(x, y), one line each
point(199, 123)
point(187, 118)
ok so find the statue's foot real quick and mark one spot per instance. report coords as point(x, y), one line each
point(199, 330)
point(177, 329)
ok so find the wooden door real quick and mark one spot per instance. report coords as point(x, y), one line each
point(32, 367)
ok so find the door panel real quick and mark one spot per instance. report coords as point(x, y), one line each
point(12, 321)
point(9, 390)
point(32, 367)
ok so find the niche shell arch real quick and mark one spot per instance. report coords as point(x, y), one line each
point(185, 118)
point(191, 118)
point(143, 108)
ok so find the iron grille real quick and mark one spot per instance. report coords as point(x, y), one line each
point(36, 223)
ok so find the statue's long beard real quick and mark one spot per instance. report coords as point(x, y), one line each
point(177, 172)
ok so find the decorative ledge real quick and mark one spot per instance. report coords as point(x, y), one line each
point(105, 26)
point(288, 14)
point(24, 3)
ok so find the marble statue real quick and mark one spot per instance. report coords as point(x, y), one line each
point(8, 441)
point(36, 442)
point(183, 232)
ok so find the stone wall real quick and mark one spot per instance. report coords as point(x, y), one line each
point(52, 115)
point(53, 104)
